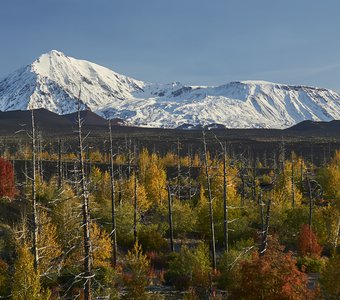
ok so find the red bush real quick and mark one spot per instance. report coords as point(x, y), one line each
point(272, 276)
point(308, 243)
point(7, 186)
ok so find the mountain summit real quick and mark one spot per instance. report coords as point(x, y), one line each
point(53, 82)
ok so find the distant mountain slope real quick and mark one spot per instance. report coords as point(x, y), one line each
point(88, 118)
point(313, 126)
point(53, 82)
point(46, 121)
point(50, 123)
point(12, 121)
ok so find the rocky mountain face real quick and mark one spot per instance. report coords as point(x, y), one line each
point(55, 82)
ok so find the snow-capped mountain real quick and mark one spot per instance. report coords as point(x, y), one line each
point(53, 82)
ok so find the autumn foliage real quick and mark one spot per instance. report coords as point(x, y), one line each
point(308, 244)
point(272, 276)
point(330, 278)
point(137, 266)
point(7, 186)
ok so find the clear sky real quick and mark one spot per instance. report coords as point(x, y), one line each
point(198, 42)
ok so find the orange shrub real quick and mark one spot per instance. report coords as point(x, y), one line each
point(307, 243)
point(7, 186)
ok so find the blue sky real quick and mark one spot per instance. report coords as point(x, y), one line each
point(196, 42)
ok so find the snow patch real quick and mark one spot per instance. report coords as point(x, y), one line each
point(53, 82)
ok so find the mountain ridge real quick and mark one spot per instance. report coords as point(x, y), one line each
point(50, 123)
point(53, 82)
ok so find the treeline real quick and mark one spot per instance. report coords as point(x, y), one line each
point(216, 226)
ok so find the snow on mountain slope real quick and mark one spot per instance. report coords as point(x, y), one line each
point(53, 82)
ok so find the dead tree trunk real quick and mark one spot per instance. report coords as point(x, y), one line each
point(86, 212)
point(243, 183)
point(171, 232)
point(60, 167)
point(40, 158)
point(34, 195)
point(261, 215)
point(66, 171)
point(301, 173)
point(212, 228)
point(135, 202)
point(337, 232)
point(76, 180)
point(263, 247)
point(113, 211)
point(26, 173)
point(189, 172)
point(129, 155)
point(312, 157)
point(283, 158)
point(324, 163)
point(120, 185)
point(178, 171)
point(225, 199)
point(265, 163)
point(253, 186)
point(293, 183)
point(310, 194)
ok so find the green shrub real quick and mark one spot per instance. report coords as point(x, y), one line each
point(104, 285)
point(4, 278)
point(135, 276)
point(228, 263)
point(293, 220)
point(124, 221)
point(311, 264)
point(330, 278)
point(190, 268)
point(152, 240)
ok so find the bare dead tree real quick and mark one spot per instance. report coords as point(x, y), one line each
point(113, 211)
point(65, 170)
point(261, 214)
point(135, 197)
point(120, 185)
point(324, 162)
point(212, 227)
point(34, 194)
point(310, 194)
point(253, 183)
point(75, 176)
point(275, 163)
point(293, 182)
point(171, 233)
point(315, 192)
point(189, 171)
point(129, 155)
point(264, 242)
point(312, 156)
point(275, 169)
point(336, 235)
point(60, 166)
point(178, 170)
point(242, 174)
point(86, 212)
point(225, 199)
point(283, 157)
point(301, 172)
point(26, 172)
point(265, 162)
point(40, 157)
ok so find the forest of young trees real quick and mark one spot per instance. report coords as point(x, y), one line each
point(131, 223)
